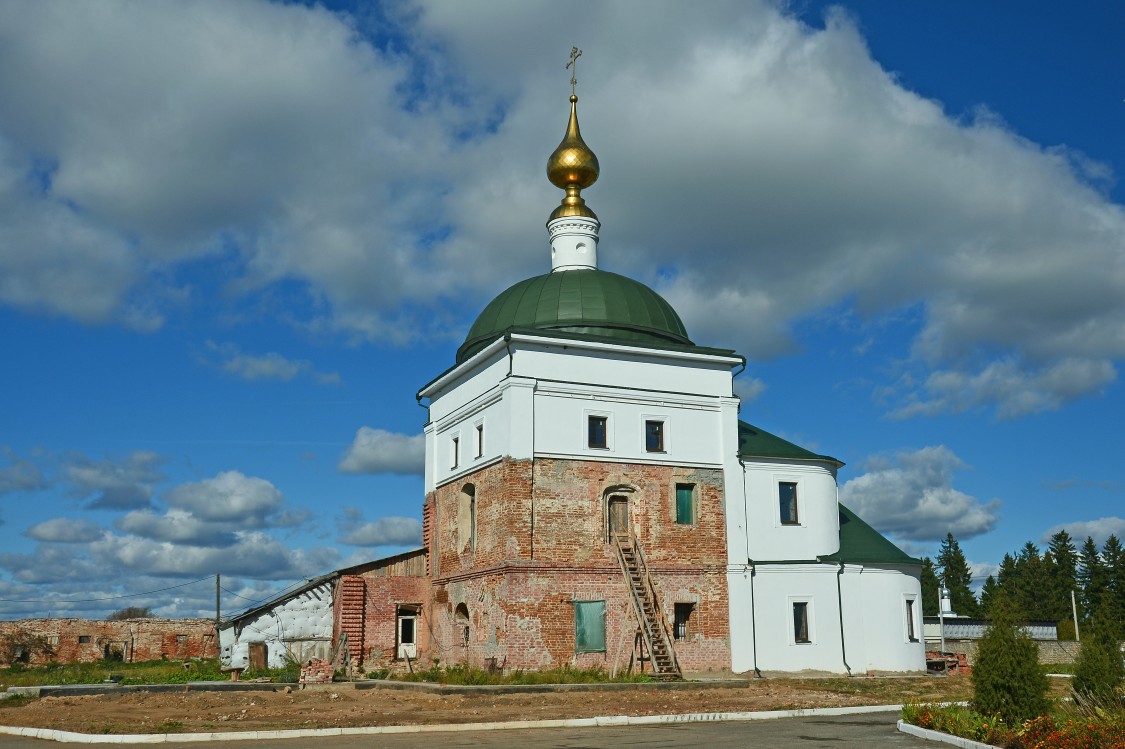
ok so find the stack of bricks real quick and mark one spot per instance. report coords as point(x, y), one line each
point(316, 671)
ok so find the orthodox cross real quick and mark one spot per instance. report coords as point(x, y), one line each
point(575, 53)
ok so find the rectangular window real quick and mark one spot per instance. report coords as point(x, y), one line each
point(589, 626)
point(83, 639)
point(181, 639)
point(801, 621)
point(654, 436)
point(598, 428)
point(685, 504)
point(911, 632)
point(681, 625)
point(454, 452)
point(787, 491)
point(52, 639)
point(478, 438)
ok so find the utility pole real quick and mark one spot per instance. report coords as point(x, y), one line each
point(1074, 611)
point(216, 614)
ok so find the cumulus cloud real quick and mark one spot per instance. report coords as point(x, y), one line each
point(749, 388)
point(269, 366)
point(229, 496)
point(380, 451)
point(1099, 529)
point(20, 474)
point(65, 531)
point(911, 496)
point(305, 153)
point(388, 531)
point(115, 484)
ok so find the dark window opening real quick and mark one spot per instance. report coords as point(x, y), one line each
point(801, 621)
point(681, 625)
point(654, 436)
point(480, 440)
point(911, 633)
point(787, 491)
point(685, 504)
point(597, 431)
point(83, 639)
point(455, 450)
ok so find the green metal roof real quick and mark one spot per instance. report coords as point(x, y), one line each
point(583, 301)
point(758, 443)
point(862, 544)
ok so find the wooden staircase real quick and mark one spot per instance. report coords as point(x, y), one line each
point(654, 632)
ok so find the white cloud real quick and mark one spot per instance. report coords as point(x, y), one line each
point(749, 388)
point(65, 530)
point(229, 496)
point(118, 485)
point(20, 475)
point(388, 531)
point(278, 136)
point(268, 366)
point(1099, 530)
point(380, 451)
point(911, 495)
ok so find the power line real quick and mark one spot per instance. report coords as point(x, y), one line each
point(244, 598)
point(109, 598)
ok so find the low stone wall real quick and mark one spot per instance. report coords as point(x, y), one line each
point(67, 640)
point(1050, 651)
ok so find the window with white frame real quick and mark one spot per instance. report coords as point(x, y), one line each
point(911, 620)
point(802, 621)
point(478, 439)
point(454, 452)
point(597, 431)
point(654, 435)
point(787, 496)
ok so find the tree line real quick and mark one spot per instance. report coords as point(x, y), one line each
point(1038, 584)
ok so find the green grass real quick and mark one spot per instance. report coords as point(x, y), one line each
point(97, 672)
point(470, 675)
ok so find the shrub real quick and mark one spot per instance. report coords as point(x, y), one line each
point(1099, 671)
point(1007, 679)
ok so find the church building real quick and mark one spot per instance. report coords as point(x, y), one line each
point(593, 499)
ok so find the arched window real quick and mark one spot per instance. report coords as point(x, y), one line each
point(461, 620)
point(467, 517)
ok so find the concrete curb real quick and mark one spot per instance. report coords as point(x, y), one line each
point(929, 735)
point(50, 734)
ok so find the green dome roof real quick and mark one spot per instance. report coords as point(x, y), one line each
point(584, 301)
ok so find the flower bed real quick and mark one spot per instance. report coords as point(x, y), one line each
point(1101, 731)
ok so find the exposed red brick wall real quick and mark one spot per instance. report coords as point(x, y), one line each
point(541, 543)
point(316, 671)
point(383, 597)
point(136, 639)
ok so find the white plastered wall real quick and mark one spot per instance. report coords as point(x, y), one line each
point(299, 627)
point(817, 532)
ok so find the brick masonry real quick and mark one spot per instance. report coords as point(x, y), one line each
point(540, 542)
point(316, 671)
point(73, 640)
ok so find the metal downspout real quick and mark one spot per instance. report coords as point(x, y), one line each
point(840, 608)
point(753, 620)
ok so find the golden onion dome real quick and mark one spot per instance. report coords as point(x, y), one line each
point(573, 167)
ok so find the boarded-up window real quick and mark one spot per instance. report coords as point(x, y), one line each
point(685, 504)
point(589, 626)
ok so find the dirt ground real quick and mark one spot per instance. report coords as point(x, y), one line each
point(328, 707)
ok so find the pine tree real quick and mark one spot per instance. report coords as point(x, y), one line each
point(1099, 671)
point(1061, 570)
point(930, 584)
point(1093, 579)
point(1027, 587)
point(955, 573)
point(988, 594)
point(1007, 679)
point(1113, 556)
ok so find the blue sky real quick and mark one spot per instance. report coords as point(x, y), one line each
point(236, 238)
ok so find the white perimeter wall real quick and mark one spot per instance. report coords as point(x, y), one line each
point(300, 626)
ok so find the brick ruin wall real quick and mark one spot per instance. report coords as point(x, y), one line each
point(131, 640)
point(371, 619)
point(513, 578)
point(1050, 651)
